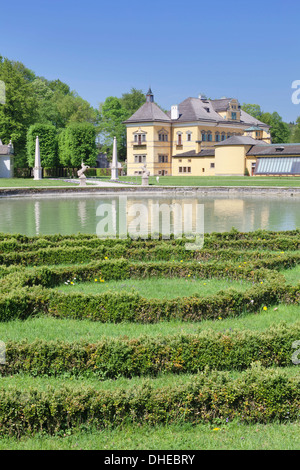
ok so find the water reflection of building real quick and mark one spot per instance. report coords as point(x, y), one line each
point(166, 216)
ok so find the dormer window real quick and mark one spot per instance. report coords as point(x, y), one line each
point(233, 116)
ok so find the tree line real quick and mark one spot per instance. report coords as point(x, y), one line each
point(70, 129)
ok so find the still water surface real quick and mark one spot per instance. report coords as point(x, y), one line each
point(73, 214)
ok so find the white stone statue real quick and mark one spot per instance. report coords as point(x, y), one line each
point(81, 175)
point(145, 175)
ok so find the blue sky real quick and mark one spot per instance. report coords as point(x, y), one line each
point(243, 49)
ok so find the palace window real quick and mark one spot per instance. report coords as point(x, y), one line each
point(203, 136)
point(209, 136)
point(233, 116)
point(139, 138)
point(189, 136)
point(212, 165)
point(184, 169)
point(179, 138)
point(217, 137)
point(162, 158)
point(163, 137)
point(140, 159)
point(223, 136)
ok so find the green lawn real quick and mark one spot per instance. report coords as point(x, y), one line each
point(232, 436)
point(52, 329)
point(292, 275)
point(215, 180)
point(167, 181)
point(29, 182)
point(157, 288)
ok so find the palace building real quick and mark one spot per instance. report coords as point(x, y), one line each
point(203, 137)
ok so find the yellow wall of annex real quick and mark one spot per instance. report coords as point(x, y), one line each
point(230, 160)
point(200, 166)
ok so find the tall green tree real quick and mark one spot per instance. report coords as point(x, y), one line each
point(112, 113)
point(20, 108)
point(280, 130)
point(77, 143)
point(295, 133)
point(133, 101)
point(252, 109)
point(48, 145)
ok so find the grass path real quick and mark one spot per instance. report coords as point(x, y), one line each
point(51, 329)
point(232, 436)
point(157, 288)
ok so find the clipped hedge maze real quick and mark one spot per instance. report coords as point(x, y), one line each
point(31, 269)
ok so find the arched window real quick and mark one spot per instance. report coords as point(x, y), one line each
point(188, 136)
point(179, 138)
point(217, 137)
point(209, 136)
point(223, 136)
point(203, 136)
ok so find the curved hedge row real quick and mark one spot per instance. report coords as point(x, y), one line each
point(164, 252)
point(258, 395)
point(119, 307)
point(111, 358)
point(268, 240)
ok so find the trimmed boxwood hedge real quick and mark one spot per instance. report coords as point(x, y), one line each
point(258, 395)
point(111, 358)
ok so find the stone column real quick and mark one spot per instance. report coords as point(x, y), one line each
point(37, 170)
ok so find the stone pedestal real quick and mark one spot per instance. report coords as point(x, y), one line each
point(37, 173)
point(82, 180)
point(145, 180)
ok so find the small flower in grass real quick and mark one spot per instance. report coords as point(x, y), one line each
point(261, 282)
point(220, 318)
point(96, 280)
point(72, 282)
point(106, 257)
point(265, 308)
point(216, 429)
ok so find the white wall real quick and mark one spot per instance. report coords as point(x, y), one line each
point(6, 166)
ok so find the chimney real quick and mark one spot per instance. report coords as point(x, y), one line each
point(174, 112)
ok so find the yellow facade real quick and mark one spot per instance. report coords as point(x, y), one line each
point(193, 166)
point(176, 144)
point(149, 149)
point(231, 160)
